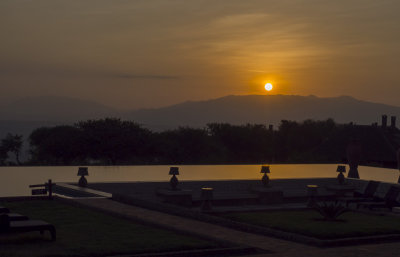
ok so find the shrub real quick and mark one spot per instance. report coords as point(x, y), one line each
point(330, 210)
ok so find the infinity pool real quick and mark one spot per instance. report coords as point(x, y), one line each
point(15, 181)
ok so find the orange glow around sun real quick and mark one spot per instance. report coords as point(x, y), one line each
point(268, 86)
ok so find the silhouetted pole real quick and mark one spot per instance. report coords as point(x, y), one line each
point(50, 185)
point(353, 156)
point(398, 162)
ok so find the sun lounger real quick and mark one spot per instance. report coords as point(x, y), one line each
point(16, 217)
point(4, 210)
point(388, 201)
point(7, 226)
point(12, 216)
point(366, 194)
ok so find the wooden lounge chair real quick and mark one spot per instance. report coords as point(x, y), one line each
point(367, 194)
point(16, 216)
point(4, 210)
point(7, 226)
point(388, 201)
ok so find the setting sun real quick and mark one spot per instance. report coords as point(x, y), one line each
point(268, 86)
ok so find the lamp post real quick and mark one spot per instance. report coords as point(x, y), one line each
point(265, 178)
point(206, 196)
point(174, 180)
point(398, 162)
point(312, 191)
point(83, 171)
point(341, 169)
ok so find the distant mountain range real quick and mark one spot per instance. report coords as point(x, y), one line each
point(263, 109)
point(29, 113)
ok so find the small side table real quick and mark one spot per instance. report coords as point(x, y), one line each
point(178, 197)
point(268, 195)
point(207, 194)
point(340, 190)
point(312, 192)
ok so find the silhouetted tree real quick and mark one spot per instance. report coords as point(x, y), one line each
point(186, 145)
point(3, 155)
point(60, 145)
point(12, 143)
point(114, 141)
point(295, 141)
point(243, 144)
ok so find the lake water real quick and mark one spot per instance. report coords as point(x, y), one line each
point(15, 181)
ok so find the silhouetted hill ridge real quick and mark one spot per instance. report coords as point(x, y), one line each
point(234, 109)
point(265, 109)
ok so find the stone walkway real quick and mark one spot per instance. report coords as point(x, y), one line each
point(279, 247)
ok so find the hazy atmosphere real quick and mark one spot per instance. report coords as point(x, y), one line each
point(243, 128)
point(134, 54)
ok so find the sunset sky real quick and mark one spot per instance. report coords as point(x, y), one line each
point(132, 54)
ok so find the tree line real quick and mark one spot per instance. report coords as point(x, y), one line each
point(113, 141)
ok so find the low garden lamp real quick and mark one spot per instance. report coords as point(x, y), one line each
point(206, 196)
point(83, 171)
point(312, 191)
point(341, 169)
point(174, 180)
point(265, 178)
point(398, 162)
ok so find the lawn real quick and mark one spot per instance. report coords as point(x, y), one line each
point(309, 223)
point(83, 232)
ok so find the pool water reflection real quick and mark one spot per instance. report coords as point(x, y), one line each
point(15, 180)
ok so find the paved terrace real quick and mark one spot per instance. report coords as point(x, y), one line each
point(292, 189)
point(279, 247)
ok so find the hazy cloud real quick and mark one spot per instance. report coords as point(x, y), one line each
point(147, 76)
point(159, 52)
point(54, 71)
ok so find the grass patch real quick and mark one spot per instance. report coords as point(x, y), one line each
point(309, 223)
point(83, 232)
